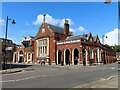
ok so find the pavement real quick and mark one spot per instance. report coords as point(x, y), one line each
point(9, 71)
point(111, 82)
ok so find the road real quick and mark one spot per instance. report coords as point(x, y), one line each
point(44, 76)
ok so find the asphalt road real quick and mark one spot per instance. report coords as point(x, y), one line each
point(53, 76)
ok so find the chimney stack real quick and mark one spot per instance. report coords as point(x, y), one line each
point(66, 27)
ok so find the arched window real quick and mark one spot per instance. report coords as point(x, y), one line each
point(29, 56)
point(21, 52)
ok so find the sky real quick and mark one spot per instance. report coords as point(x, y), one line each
point(84, 17)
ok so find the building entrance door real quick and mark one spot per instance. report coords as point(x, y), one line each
point(59, 56)
point(67, 54)
point(76, 56)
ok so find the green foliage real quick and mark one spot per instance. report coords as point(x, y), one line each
point(116, 48)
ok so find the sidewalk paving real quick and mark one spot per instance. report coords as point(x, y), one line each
point(102, 83)
point(8, 71)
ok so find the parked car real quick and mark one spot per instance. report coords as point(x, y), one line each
point(119, 61)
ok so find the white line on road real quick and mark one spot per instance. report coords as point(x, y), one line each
point(112, 67)
point(23, 79)
point(103, 79)
point(108, 77)
point(111, 77)
point(16, 80)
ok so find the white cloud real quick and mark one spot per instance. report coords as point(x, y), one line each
point(81, 29)
point(112, 37)
point(72, 30)
point(78, 30)
point(27, 23)
point(1, 22)
point(51, 20)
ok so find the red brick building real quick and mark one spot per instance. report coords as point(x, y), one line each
point(55, 45)
point(24, 52)
point(76, 49)
point(45, 41)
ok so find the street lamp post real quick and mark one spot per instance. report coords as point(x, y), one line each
point(13, 22)
point(109, 1)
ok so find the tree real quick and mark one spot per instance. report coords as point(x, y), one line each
point(116, 48)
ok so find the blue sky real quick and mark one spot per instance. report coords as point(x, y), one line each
point(95, 17)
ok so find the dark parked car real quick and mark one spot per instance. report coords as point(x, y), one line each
point(118, 61)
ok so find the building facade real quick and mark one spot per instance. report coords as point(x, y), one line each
point(76, 49)
point(8, 48)
point(24, 52)
point(45, 41)
point(55, 45)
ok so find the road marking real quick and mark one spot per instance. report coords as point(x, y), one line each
point(80, 86)
point(111, 77)
point(112, 67)
point(108, 77)
point(103, 79)
point(16, 80)
point(22, 79)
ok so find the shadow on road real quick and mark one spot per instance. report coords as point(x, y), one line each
point(8, 66)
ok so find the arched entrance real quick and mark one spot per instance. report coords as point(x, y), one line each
point(15, 59)
point(76, 56)
point(59, 56)
point(67, 54)
point(21, 58)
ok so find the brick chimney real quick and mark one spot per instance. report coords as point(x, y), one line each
point(66, 27)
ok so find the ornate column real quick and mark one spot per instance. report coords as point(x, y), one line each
point(18, 57)
point(64, 55)
point(70, 55)
point(98, 55)
point(80, 55)
point(86, 56)
point(37, 48)
point(47, 46)
point(57, 56)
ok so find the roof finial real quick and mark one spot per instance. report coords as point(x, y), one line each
point(44, 18)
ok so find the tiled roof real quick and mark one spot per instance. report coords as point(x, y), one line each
point(7, 41)
point(26, 43)
point(84, 37)
point(95, 38)
point(31, 36)
point(55, 28)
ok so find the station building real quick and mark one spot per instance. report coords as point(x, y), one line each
point(54, 45)
point(24, 52)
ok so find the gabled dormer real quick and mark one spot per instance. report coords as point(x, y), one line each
point(90, 38)
point(29, 38)
point(96, 39)
point(23, 39)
